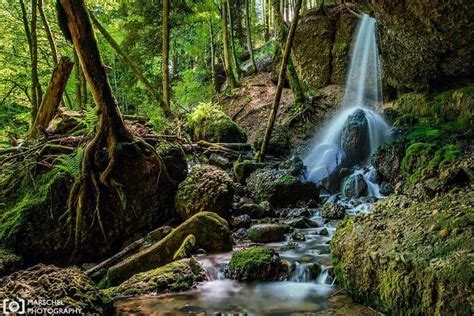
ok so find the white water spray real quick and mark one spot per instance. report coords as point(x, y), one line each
point(363, 92)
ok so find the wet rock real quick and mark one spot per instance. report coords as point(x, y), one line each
point(207, 188)
point(265, 233)
point(386, 188)
point(177, 276)
point(355, 186)
point(212, 234)
point(387, 161)
point(300, 222)
point(47, 282)
point(241, 221)
point(279, 144)
point(255, 211)
point(314, 270)
point(294, 165)
point(257, 264)
point(355, 140)
point(333, 211)
point(242, 170)
point(297, 236)
point(324, 232)
point(187, 247)
point(219, 161)
point(280, 188)
point(159, 233)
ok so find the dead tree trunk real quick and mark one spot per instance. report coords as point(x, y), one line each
point(133, 67)
point(281, 78)
point(52, 97)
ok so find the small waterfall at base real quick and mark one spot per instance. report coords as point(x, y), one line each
point(356, 130)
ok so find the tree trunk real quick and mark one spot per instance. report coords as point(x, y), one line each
point(249, 34)
point(281, 78)
point(78, 82)
point(49, 35)
point(133, 67)
point(225, 41)
point(213, 56)
point(52, 97)
point(165, 53)
point(232, 41)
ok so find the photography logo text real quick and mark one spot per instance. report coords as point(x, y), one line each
point(38, 307)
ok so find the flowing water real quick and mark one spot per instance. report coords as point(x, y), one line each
point(311, 288)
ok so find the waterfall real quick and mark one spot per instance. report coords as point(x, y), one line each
point(336, 146)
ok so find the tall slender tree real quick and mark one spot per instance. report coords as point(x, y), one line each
point(249, 34)
point(231, 81)
point(281, 78)
point(165, 53)
point(212, 49)
point(232, 40)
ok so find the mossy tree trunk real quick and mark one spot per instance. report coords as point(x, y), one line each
point(281, 78)
point(165, 53)
point(249, 34)
point(132, 66)
point(232, 40)
point(231, 81)
point(213, 55)
point(52, 97)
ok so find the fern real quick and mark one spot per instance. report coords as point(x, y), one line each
point(71, 164)
point(88, 120)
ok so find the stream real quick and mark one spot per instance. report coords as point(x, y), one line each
point(304, 293)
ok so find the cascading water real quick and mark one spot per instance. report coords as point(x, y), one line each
point(356, 130)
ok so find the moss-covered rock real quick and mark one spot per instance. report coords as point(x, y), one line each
point(333, 211)
point(188, 246)
point(279, 144)
point(9, 262)
point(256, 264)
point(207, 188)
point(280, 188)
point(409, 257)
point(42, 282)
point(177, 276)
point(265, 233)
point(243, 169)
point(211, 233)
point(207, 122)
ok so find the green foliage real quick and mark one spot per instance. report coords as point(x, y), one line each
point(71, 164)
point(194, 87)
point(88, 120)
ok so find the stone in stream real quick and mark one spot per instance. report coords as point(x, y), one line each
point(280, 188)
point(212, 234)
point(241, 221)
point(69, 286)
point(187, 247)
point(255, 211)
point(176, 276)
point(297, 236)
point(355, 186)
point(333, 211)
point(206, 188)
point(300, 222)
point(265, 233)
point(243, 169)
point(355, 140)
point(257, 264)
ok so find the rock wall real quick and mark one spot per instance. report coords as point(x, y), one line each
point(321, 46)
point(424, 43)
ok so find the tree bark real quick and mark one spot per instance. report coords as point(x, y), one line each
point(133, 67)
point(225, 42)
point(52, 97)
point(281, 78)
point(232, 41)
point(165, 53)
point(49, 35)
point(213, 56)
point(249, 34)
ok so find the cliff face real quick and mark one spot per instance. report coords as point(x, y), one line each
point(423, 44)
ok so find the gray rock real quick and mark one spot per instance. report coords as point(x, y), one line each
point(355, 186)
point(355, 139)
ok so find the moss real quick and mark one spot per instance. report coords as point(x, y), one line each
point(177, 276)
point(208, 122)
point(242, 170)
point(256, 263)
point(265, 233)
point(189, 244)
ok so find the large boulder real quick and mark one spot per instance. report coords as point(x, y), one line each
point(280, 188)
point(265, 233)
point(69, 287)
point(207, 122)
point(387, 161)
point(210, 231)
point(176, 276)
point(243, 169)
point(333, 211)
point(36, 224)
point(355, 140)
point(207, 188)
point(257, 264)
point(355, 186)
point(425, 43)
point(409, 257)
